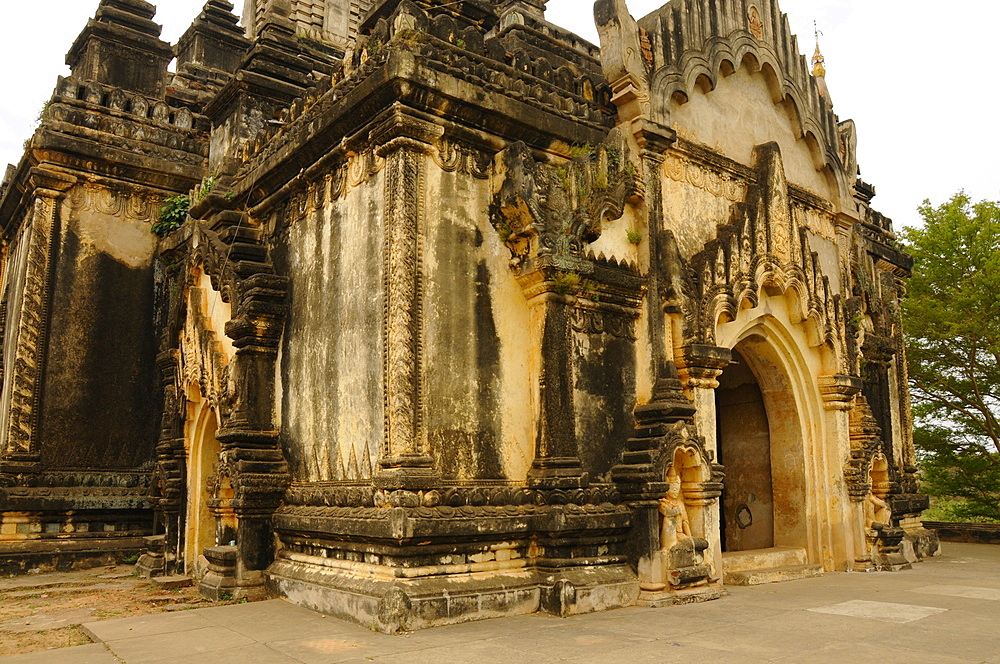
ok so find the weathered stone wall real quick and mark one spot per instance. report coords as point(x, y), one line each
point(331, 399)
point(97, 366)
point(478, 337)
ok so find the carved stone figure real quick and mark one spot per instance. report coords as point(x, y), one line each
point(674, 523)
point(877, 511)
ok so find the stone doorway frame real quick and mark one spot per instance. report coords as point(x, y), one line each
point(203, 451)
point(788, 358)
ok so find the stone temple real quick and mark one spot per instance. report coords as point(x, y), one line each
point(451, 314)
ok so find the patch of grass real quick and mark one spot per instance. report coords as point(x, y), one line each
point(564, 282)
point(581, 150)
point(948, 510)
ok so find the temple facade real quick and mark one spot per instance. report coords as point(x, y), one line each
point(424, 311)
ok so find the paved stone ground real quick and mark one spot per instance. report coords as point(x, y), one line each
point(945, 611)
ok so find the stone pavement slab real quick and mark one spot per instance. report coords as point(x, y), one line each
point(95, 653)
point(884, 611)
point(941, 612)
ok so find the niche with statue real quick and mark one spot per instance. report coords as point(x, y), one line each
point(682, 562)
point(884, 541)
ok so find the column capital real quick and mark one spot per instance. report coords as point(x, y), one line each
point(699, 365)
point(399, 128)
point(838, 391)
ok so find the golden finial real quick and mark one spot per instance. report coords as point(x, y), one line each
point(818, 61)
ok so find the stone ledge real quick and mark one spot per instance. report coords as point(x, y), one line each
point(759, 577)
point(973, 533)
point(404, 605)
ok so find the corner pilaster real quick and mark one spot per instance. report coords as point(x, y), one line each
point(404, 140)
point(19, 447)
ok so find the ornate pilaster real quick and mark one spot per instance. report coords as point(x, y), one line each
point(404, 141)
point(546, 217)
point(699, 367)
point(19, 451)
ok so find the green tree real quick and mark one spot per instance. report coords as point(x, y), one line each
point(952, 325)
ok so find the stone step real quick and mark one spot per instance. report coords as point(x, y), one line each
point(172, 582)
point(66, 590)
point(779, 556)
point(758, 577)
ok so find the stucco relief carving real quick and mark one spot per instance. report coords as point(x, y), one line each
point(675, 526)
point(597, 321)
point(719, 184)
point(203, 361)
point(754, 22)
point(133, 205)
point(452, 156)
point(546, 215)
point(759, 246)
point(29, 338)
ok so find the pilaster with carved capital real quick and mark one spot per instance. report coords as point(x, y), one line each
point(404, 140)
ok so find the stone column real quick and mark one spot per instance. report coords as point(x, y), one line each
point(404, 141)
point(838, 392)
point(19, 447)
point(699, 367)
point(171, 463)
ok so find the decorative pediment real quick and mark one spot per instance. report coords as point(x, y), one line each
point(762, 245)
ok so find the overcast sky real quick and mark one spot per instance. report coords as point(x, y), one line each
point(917, 77)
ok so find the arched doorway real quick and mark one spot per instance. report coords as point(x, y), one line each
point(761, 445)
point(203, 450)
point(744, 450)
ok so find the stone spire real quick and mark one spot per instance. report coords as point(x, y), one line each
point(819, 68)
point(214, 41)
point(121, 47)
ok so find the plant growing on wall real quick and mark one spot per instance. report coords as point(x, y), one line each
point(952, 325)
point(173, 214)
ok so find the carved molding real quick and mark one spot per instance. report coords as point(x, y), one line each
point(763, 244)
point(866, 444)
point(455, 497)
point(30, 337)
point(718, 183)
point(838, 391)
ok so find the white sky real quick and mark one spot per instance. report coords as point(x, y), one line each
point(916, 76)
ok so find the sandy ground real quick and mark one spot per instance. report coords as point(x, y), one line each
point(43, 611)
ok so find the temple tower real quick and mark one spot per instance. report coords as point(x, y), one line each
point(332, 21)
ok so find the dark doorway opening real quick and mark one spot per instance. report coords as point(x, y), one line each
point(744, 449)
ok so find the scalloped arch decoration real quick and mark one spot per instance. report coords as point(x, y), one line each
point(688, 58)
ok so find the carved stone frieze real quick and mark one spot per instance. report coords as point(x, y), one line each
point(365, 496)
point(715, 182)
point(115, 201)
point(454, 157)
